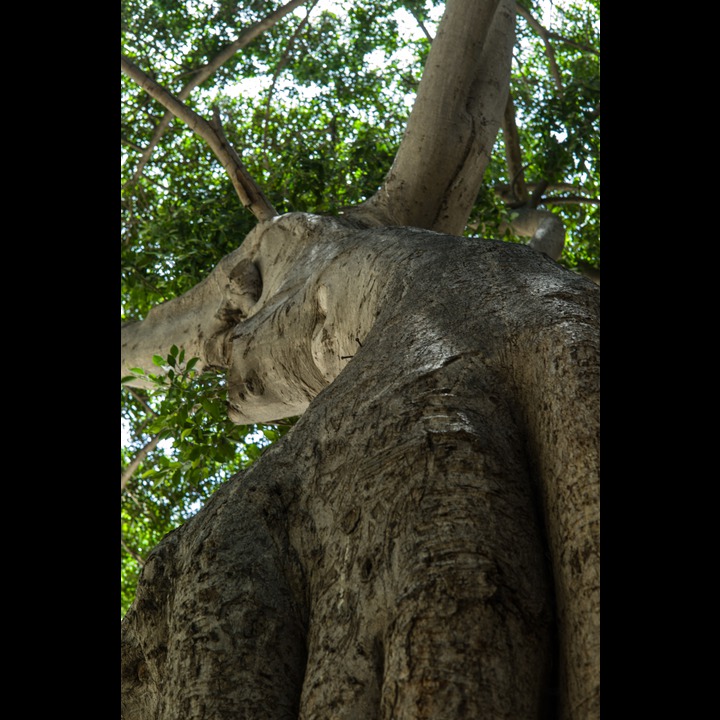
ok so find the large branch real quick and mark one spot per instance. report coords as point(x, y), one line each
point(203, 73)
point(247, 189)
point(438, 169)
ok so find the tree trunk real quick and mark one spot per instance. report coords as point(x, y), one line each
point(424, 542)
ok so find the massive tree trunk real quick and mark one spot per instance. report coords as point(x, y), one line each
point(424, 542)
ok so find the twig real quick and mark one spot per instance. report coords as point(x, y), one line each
point(284, 60)
point(138, 558)
point(421, 24)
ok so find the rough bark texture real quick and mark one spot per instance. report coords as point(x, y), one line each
point(424, 542)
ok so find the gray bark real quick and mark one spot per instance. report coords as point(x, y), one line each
point(424, 543)
point(459, 107)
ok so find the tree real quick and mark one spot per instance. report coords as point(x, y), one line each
point(424, 541)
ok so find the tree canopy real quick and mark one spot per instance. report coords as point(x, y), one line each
point(314, 95)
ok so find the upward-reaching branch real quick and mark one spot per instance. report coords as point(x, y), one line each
point(438, 169)
point(247, 189)
point(203, 73)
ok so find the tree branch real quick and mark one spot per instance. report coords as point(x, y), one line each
point(518, 189)
point(438, 169)
point(570, 200)
point(138, 559)
point(421, 24)
point(506, 193)
point(134, 464)
point(245, 186)
point(282, 63)
point(572, 43)
point(545, 37)
point(204, 72)
point(545, 230)
point(537, 194)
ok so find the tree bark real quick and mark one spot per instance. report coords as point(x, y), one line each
point(424, 542)
point(438, 170)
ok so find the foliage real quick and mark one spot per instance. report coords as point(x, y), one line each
point(185, 413)
point(316, 106)
point(559, 126)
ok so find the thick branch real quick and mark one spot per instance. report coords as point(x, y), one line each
point(203, 73)
point(438, 169)
point(247, 189)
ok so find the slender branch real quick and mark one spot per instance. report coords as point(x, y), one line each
point(132, 553)
point(537, 193)
point(282, 64)
point(130, 144)
point(245, 186)
point(570, 200)
point(204, 72)
point(572, 43)
point(513, 155)
point(421, 24)
point(503, 191)
point(506, 193)
point(134, 464)
point(545, 37)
